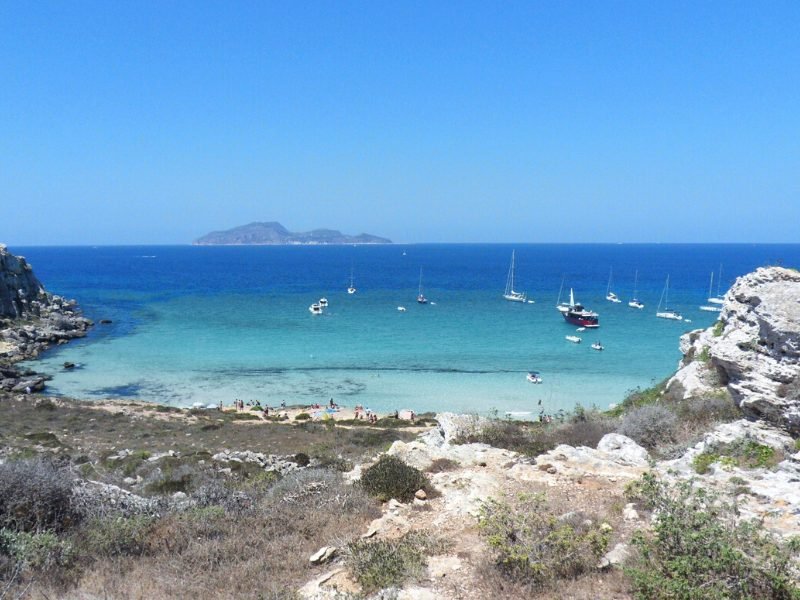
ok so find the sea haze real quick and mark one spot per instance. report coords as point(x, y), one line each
point(204, 324)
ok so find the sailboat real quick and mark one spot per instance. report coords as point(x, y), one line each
point(611, 296)
point(635, 303)
point(710, 287)
point(561, 307)
point(718, 299)
point(510, 294)
point(351, 289)
point(667, 313)
point(421, 297)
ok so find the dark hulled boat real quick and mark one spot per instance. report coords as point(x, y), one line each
point(578, 315)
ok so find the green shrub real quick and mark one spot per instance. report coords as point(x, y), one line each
point(743, 453)
point(531, 544)
point(37, 551)
point(240, 416)
point(379, 564)
point(718, 328)
point(698, 549)
point(639, 397)
point(390, 478)
point(705, 355)
point(302, 417)
point(117, 536)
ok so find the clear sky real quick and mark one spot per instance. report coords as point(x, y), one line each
point(573, 121)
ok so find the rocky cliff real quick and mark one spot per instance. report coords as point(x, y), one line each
point(31, 320)
point(21, 294)
point(753, 350)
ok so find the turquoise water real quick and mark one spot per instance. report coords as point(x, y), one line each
point(193, 324)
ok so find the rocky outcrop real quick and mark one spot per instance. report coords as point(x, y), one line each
point(31, 320)
point(21, 293)
point(753, 350)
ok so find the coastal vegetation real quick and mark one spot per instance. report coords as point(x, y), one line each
point(699, 547)
point(534, 545)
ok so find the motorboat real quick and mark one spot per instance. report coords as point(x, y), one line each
point(323, 302)
point(597, 346)
point(509, 293)
point(315, 309)
point(401, 308)
point(534, 377)
point(573, 338)
point(579, 329)
point(580, 316)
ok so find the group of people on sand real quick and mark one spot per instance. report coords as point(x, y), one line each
point(239, 405)
point(365, 413)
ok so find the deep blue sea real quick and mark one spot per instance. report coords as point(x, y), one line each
point(203, 324)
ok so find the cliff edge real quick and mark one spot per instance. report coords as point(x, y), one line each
point(753, 350)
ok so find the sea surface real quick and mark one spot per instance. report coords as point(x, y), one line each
point(204, 324)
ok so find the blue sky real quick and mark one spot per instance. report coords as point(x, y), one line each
point(155, 122)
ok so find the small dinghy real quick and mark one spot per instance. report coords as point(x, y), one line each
point(598, 346)
point(573, 338)
point(534, 377)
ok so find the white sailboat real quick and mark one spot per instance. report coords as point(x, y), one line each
point(718, 299)
point(611, 296)
point(667, 313)
point(510, 294)
point(562, 307)
point(421, 297)
point(635, 303)
point(352, 288)
point(711, 308)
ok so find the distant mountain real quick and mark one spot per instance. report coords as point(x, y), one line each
point(273, 233)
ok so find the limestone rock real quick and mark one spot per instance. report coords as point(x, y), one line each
point(323, 555)
point(623, 449)
point(615, 557)
point(754, 350)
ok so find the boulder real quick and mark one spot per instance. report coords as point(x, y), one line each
point(323, 555)
point(623, 449)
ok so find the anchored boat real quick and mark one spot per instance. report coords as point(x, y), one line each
point(579, 315)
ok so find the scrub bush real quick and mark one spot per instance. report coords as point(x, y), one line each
point(390, 478)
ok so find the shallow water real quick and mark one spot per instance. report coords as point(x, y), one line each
point(203, 324)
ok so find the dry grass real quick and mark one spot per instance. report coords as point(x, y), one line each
point(209, 553)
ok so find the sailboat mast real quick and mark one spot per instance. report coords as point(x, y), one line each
point(610, 274)
point(711, 285)
point(636, 283)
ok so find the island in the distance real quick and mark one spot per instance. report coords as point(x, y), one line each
point(273, 233)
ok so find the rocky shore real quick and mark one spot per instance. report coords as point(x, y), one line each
point(31, 320)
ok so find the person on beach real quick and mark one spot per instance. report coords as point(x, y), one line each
point(332, 405)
